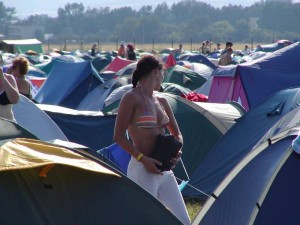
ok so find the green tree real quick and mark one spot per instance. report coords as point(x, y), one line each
point(7, 17)
point(242, 29)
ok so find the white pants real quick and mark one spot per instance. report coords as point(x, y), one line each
point(163, 187)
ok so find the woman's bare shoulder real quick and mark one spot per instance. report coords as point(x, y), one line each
point(162, 100)
point(130, 96)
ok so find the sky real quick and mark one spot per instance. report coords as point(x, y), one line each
point(24, 8)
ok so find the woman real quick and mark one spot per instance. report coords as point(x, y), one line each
point(130, 54)
point(93, 50)
point(9, 95)
point(121, 50)
point(19, 69)
point(145, 116)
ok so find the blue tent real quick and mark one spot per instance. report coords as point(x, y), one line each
point(68, 83)
point(264, 187)
point(95, 100)
point(240, 140)
point(91, 129)
point(250, 83)
point(199, 58)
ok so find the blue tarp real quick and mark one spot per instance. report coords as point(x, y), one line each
point(116, 155)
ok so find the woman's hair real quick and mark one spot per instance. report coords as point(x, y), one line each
point(144, 67)
point(22, 63)
point(130, 47)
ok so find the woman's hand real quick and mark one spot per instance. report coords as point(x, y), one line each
point(149, 164)
point(176, 159)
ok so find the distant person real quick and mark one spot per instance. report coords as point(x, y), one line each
point(9, 95)
point(130, 54)
point(218, 47)
point(19, 70)
point(179, 50)
point(203, 48)
point(228, 44)
point(208, 47)
point(121, 50)
point(226, 58)
point(246, 50)
point(258, 48)
point(93, 50)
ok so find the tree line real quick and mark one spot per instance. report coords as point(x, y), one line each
point(185, 21)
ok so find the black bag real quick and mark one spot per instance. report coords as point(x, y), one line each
point(166, 148)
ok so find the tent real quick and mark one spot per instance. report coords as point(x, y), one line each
point(184, 77)
point(88, 128)
point(197, 58)
point(101, 61)
point(21, 46)
point(272, 47)
point(95, 100)
point(117, 64)
point(68, 83)
point(263, 188)
point(210, 122)
point(250, 83)
point(201, 69)
point(10, 130)
point(35, 120)
point(240, 140)
point(39, 187)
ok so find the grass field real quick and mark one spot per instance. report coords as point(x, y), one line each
point(193, 206)
point(144, 47)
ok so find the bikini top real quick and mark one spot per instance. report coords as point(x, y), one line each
point(148, 120)
point(28, 95)
point(4, 99)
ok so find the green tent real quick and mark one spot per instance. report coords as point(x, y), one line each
point(43, 183)
point(185, 77)
point(21, 46)
point(202, 124)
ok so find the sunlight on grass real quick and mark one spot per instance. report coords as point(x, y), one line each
point(193, 206)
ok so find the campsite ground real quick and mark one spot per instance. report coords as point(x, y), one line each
point(193, 206)
point(145, 47)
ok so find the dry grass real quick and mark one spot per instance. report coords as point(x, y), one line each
point(144, 47)
point(193, 206)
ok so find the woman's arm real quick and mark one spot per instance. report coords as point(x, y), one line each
point(10, 87)
point(125, 113)
point(173, 128)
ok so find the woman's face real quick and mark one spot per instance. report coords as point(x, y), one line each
point(159, 77)
point(15, 70)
